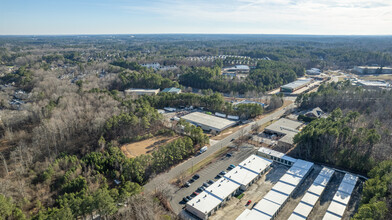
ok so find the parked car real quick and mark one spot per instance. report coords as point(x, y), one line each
point(187, 184)
point(222, 172)
point(232, 140)
point(191, 181)
point(232, 166)
point(206, 185)
point(218, 176)
point(248, 203)
point(210, 182)
point(195, 194)
point(196, 176)
point(189, 198)
point(203, 188)
point(200, 189)
point(229, 155)
point(185, 199)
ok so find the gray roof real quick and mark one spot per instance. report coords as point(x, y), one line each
point(208, 120)
point(296, 84)
point(284, 126)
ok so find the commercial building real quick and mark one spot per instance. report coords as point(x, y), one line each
point(372, 84)
point(314, 113)
point(276, 156)
point(249, 102)
point(208, 122)
point(139, 92)
point(341, 199)
point(239, 178)
point(285, 129)
point(372, 70)
point(294, 86)
point(313, 71)
point(276, 198)
point(312, 195)
point(172, 90)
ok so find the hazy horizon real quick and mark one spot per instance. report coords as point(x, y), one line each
point(287, 17)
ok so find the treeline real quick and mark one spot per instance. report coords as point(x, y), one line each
point(339, 140)
point(212, 102)
point(143, 80)
point(377, 194)
point(267, 75)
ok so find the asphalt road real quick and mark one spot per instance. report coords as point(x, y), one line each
point(164, 178)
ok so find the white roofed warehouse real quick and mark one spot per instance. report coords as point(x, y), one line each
point(294, 86)
point(208, 122)
point(239, 178)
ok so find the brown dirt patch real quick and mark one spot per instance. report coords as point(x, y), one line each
point(146, 146)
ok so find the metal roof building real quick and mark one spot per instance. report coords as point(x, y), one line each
point(340, 201)
point(312, 195)
point(208, 122)
point(275, 199)
point(285, 128)
point(242, 176)
point(293, 86)
point(172, 90)
point(276, 156)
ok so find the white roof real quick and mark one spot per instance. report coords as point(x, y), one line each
point(336, 208)
point(208, 120)
point(303, 164)
point(349, 178)
point(248, 169)
point(345, 187)
point(277, 154)
point(329, 216)
point(276, 197)
point(341, 197)
point(310, 199)
point(316, 189)
point(244, 173)
point(267, 207)
point(253, 215)
point(290, 179)
point(284, 188)
point(301, 211)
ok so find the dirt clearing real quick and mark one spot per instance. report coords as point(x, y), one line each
point(146, 146)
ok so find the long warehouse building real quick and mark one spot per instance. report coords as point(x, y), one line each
point(208, 122)
point(276, 198)
point(239, 178)
point(312, 195)
point(340, 201)
point(294, 86)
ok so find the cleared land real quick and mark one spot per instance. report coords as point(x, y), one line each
point(146, 146)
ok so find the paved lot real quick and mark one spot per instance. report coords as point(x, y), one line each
point(209, 173)
point(163, 178)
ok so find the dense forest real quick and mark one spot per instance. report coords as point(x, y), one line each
point(266, 76)
point(64, 116)
point(355, 136)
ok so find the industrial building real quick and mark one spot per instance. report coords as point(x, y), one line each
point(276, 156)
point(172, 90)
point(294, 86)
point(313, 71)
point(139, 92)
point(312, 195)
point(372, 70)
point(249, 102)
point(208, 122)
point(286, 129)
point(239, 178)
point(341, 199)
point(276, 198)
point(373, 84)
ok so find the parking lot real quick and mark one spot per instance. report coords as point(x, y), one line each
point(209, 173)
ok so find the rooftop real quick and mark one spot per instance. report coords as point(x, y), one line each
point(277, 154)
point(172, 90)
point(208, 120)
point(296, 84)
point(284, 126)
point(142, 90)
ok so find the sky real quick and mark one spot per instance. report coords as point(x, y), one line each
point(318, 17)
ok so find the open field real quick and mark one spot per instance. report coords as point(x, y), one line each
point(376, 77)
point(146, 146)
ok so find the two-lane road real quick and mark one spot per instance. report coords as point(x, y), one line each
point(163, 178)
